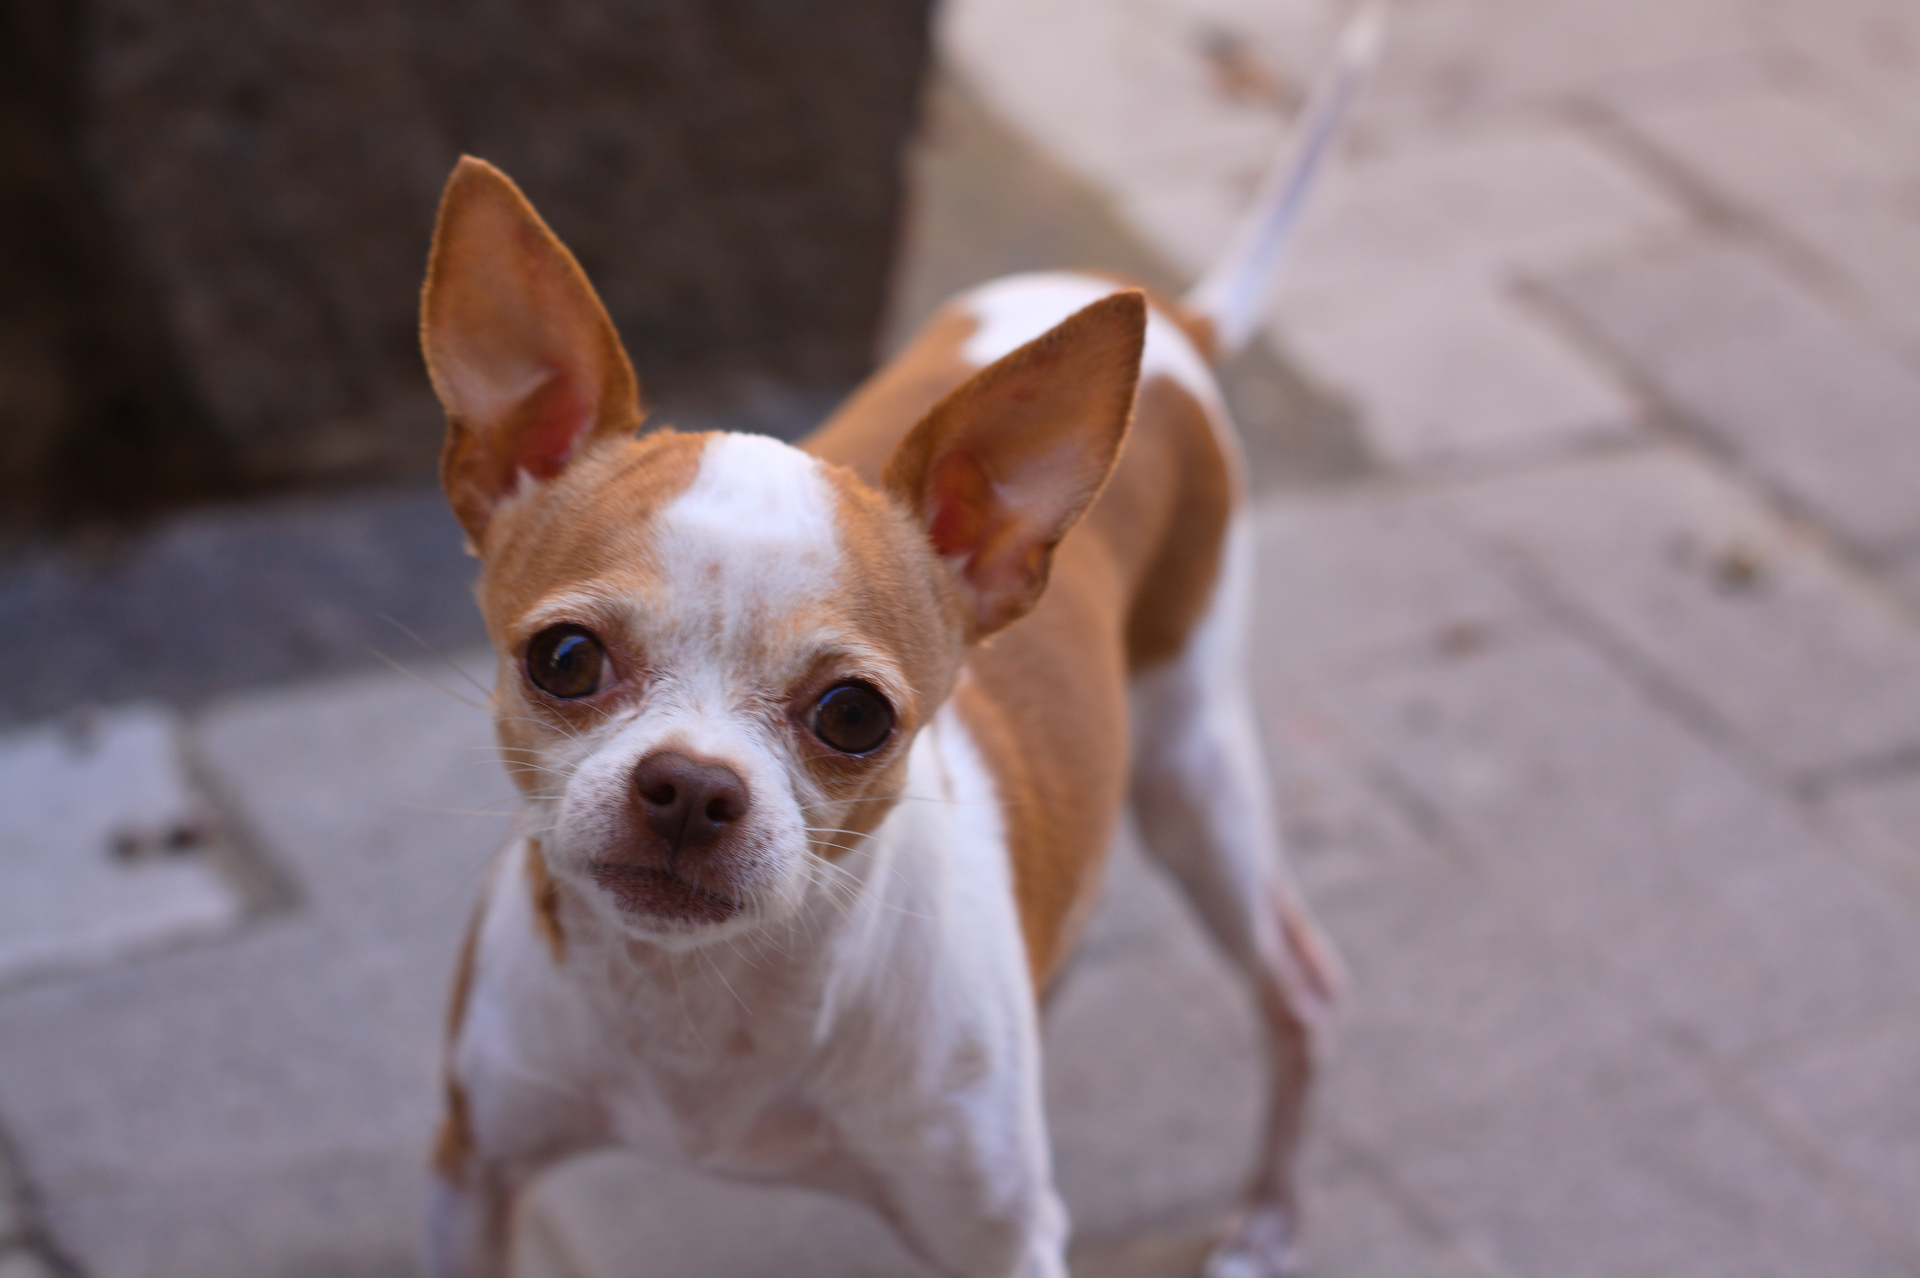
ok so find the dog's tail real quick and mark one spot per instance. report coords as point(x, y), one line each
point(1228, 297)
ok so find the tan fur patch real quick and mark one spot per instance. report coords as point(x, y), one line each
point(453, 1145)
point(545, 891)
point(463, 974)
point(1166, 513)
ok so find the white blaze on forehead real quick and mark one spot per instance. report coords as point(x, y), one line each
point(1013, 311)
point(753, 534)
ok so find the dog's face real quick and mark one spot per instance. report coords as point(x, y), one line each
point(715, 650)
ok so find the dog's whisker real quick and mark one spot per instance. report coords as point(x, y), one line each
point(443, 811)
point(417, 677)
point(442, 657)
point(722, 977)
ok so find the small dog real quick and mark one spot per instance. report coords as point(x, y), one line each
point(823, 746)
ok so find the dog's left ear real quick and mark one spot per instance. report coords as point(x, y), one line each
point(1007, 463)
point(523, 356)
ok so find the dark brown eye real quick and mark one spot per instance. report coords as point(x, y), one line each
point(566, 661)
point(853, 718)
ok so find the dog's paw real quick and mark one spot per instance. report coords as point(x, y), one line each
point(1260, 1245)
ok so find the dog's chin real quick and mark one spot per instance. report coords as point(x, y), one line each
point(658, 902)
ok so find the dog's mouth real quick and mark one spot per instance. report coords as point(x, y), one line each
point(662, 894)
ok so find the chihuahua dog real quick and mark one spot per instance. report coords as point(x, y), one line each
point(823, 746)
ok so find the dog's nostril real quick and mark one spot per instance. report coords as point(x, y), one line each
point(686, 801)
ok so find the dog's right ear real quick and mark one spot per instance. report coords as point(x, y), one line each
point(520, 350)
point(999, 470)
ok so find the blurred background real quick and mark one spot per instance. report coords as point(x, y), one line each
point(1584, 434)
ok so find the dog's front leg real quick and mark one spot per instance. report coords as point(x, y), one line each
point(481, 1164)
point(943, 1115)
point(467, 1227)
point(966, 1178)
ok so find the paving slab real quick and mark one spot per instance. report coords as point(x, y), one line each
point(1360, 1223)
point(1705, 895)
point(1728, 601)
point(1880, 815)
point(1803, 401)
point(1526, 1099)
point(1493, 202)
point(1857, 1099)
point(1901, 574)
point(1447, 369)
point(106, 845)
point(18, 1226)
point(1472, 59)
point(1402, 297)
point(1838, 185)
point(13, 1208)
point(1534, 1100)
point(1352, 578)
point(1457, 1000)
point(614, 1216)
point(1153, 1068)
point(1628, 1164)
point(25, 1264)
point(262, 1104)
point(1860, 51)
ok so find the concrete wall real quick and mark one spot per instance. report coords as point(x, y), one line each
point(240, 197)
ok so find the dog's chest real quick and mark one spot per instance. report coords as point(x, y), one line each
point(707, 1059)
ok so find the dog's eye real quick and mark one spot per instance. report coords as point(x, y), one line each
point(853, 718)
point(566, 661)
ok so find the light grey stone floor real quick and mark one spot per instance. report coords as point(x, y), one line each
point(1587, 446)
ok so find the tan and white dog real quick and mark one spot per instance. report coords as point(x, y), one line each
point(823, 748)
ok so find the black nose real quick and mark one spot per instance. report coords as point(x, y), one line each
point(688, 803)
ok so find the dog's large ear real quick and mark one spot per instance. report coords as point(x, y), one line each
point(1009, 461)
point(521, 352)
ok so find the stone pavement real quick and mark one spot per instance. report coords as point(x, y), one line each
point(1589, 651)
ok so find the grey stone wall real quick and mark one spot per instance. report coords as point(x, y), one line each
point(261, 178)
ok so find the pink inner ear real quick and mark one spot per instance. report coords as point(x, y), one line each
point(960, 502)
point(548, 427)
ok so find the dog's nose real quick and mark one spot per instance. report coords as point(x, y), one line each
point(688, 803)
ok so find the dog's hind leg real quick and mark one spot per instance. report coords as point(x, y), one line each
point(1200, 793)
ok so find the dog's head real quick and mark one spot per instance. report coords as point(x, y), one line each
point(715, 650)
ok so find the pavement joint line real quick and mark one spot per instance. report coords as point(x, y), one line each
point(1430, 823)
point(1728, 218)
point(1391, 655)
point(1817, 784)
point(239, 852)
point(30, 1236)
point(1389, 482)
point(1668, 695)
point(1853, 1198)
point(1892, 861)
point(1377, 1170)
point(1534, 582)
point(1680, 427)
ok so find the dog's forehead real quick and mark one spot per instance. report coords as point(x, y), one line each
point(754, 538)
